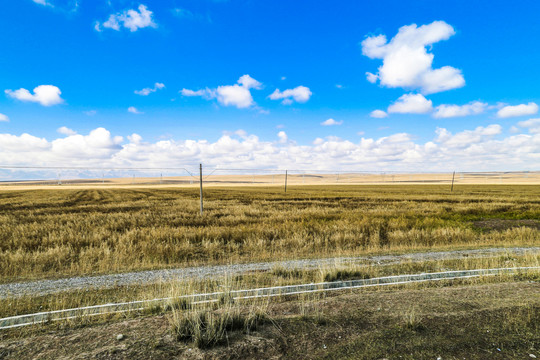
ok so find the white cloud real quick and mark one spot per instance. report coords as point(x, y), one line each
point(406, 61)
point(238, 95)
point(299, 94)
point(66, 131)
point(518, 110)
point(133, 110)
point(533, 125)
point(42, 2)
point(4, 117)
point(372, 78)
point(283, 138)
point(467, 138)
point(234, 95)
point(91, 112)
point(204, 93)
point(130, 19)
point(331, 122)
point(135, 138)
point(411, 104)
point(66, 6)
point(46, 95)
point(20, 144)
point(379, 114)
point(148, 91)
point(248, 82)
point(449, 111)
point(468, 150)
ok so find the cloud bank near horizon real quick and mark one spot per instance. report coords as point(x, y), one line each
point(481, 148)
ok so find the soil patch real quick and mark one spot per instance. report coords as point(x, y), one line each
point(503, 224)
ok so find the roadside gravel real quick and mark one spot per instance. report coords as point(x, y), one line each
point(45, 287)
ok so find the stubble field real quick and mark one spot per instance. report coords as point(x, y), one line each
point(66, 232)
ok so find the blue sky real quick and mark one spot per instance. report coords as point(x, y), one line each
point(93, 56)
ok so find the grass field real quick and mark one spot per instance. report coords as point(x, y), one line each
point(484, 320)
point(54, 233)
point(70, 231)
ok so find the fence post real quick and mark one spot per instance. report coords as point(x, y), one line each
point(285, 180)
point(200, 185)
point(453, 176)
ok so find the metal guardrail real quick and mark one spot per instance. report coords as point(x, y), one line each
point(43, 317)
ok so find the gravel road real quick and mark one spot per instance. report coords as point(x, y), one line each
point(45, 287)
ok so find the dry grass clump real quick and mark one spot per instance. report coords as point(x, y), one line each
point(52, 233)
point(210, 323)
point(207, 327)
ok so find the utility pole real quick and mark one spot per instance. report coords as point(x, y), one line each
point(285, 180)
point(200, 185)
point(453, 176)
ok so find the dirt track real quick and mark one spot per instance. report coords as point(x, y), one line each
point(46, 287)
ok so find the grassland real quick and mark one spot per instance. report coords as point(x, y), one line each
point(66, 232)
point(469, 319)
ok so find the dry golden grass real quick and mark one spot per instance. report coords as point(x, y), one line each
point(465, 320)
point(50, 233)
point(278, 276)
point(217, 178)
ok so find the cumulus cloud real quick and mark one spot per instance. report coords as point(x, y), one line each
point(4, 117)
point(331, 122)
point(411, 104)
point(234, 95)
point(129, 19)
point(468, 137)
point(148, 91)
point(238, 95)
point(517, 110)
point(66, 131)
point(482, 148)
point(46, 95)
point(379, 114)
point(133, 110)
point(450, 111)
point(407, 62)
point(283, 138)
point(300, 94)
point(533, 125)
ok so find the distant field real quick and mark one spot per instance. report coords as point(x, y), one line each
point(217, 178)
point(51, 233)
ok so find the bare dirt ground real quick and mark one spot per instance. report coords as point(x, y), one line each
point(461, 321)
point(45, 287)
